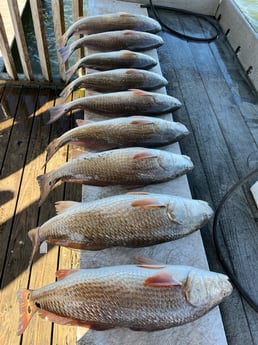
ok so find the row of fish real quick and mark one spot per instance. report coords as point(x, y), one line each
point(146, 296)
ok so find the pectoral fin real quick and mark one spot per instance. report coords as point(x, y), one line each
point(161, 280)
point(148, 203)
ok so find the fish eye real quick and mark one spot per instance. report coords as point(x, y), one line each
point(38, 304)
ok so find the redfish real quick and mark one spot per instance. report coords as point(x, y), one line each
point(129, 220)
point(143, 297)
point(111, 60)
point(129, 167)
point(110, 22)
point(114, 40)
point(120, 79)
point(122, 103)
point(120, 132)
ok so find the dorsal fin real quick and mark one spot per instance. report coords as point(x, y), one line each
point(144, 155)
point(81, 122)
point(147, 203)
point(63, 273)
point(162, 279)
point(61, 206)
point(138, 92)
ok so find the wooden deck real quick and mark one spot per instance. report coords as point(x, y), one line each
point(220, 109)
point(24, 136)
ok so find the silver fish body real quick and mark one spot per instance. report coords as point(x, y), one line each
point(120, 132)
point(140, 297)
point(110, 22)
point(129, 220)
point(116, 80)
point(122, 103)
point(129, 167)
point(114, 40)
point(111, 60)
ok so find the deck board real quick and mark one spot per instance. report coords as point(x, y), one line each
point(25, 136)
point(220, 112)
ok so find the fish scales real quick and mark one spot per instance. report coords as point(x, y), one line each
point(121, 103)
point(114, 40)
point(116, 80)
point(130, 220)
point(110, 22)
point(111, 60)
point(129, 166)
point(140, 297)
point(120, 132)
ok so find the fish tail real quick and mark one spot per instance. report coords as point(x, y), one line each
point(65, 53)
point(27, 309)
point(52, 149)
point(66, 91)
point(55, 113)
point(46, 183)
point(71, 71)
point(35, 239)
point(62, 40)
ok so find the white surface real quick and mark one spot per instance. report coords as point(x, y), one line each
point(208, 330)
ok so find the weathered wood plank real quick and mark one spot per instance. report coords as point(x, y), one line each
point(6, 52)
point(20, 38)
point(39, 29)
point(212, 103)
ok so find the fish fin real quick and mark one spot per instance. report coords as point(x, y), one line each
point(81, 122)
point(52, 149)
point(138, 92)
point(65, 53)
point(144, 155)
point(61, 320)
point(128, 32)
point(62, 40)
point(147, 203)
point(138, 193)
point(62, 206)
point(147, 262)
point(131, 71)
point(161, 280)
point(66, 91)
point(125, 14)
point(55, 113)
point(45, 184)
point(77, 152)
point(27, 309)
point(143, 121)
point(63, 273)
point(69, 73)
point(34, 237)
point(128, 53)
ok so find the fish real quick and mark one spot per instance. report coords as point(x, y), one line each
point(135, 219)
point(120, 79)
point(138, 297)
point(114, 40)
point(128, 166)
point(121, 103)
point(110, 22)
point(120, 132)
point(111, 60)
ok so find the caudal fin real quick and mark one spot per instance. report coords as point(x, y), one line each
point(35, 239)
point(69, 73)
point(62, 40)
point(56, 113)
point(65, 53)
point(52, 148)
point(66, 91)
point(46, 183)
point(27, 309)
